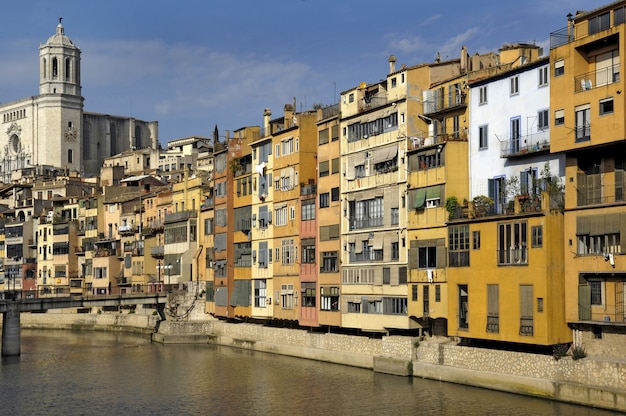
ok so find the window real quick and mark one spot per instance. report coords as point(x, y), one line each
point(367, 213)
point(395, 216)
point(483, 137)
point(334, 194)
point(329, 298)
point(354, 307)
point(543, 119)
point(308, 250)
point(514, 89)
point(324, 170)
point(512, 243)
point(292, 213)
point(308, 294)
point(260, 293)
point(437, 293)
point(536, 236)
point(70, 156)
point(458, 245)
point(324, 203)
point(427, 257)
point(281, 216)
point(323, 136)
point(288, 251)
point(559, 68)
point(619, 16)
point(334, 165)
point(596, 292)
point(483, 95)
point(286, 296)
point(599, 23)
point(395, 306)
point(395, 251)
point(287, 146)
point(308, 209)
point(414, 292)
point(393, 83)
point(351, 98)
point(599, 244)
point(539, 304)
point(583, 127)
point(559, 117)
point(329, 262)
point(386, 275)
point(493, 308)
point(476, 240)
point(526, 310)
point(543, 76)
point(606, 106)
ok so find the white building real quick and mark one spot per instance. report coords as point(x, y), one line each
point(510, 132)
point(51, 129)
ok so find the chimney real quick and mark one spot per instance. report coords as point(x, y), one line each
point(464, 60)
point(392, 64)
point(289, 115)
point(267, 113)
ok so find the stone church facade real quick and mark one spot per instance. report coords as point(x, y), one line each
point(53, 130)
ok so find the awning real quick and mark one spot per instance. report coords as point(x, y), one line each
point(378, 241)
point(420, 198)
point(384, 154)
point(433, 192)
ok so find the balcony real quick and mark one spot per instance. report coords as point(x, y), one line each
point(444, 102)
point(597, 79)
point(356, 224)
point(180, 216)
point(157, 252)
point(528, 144)
point(126, 230)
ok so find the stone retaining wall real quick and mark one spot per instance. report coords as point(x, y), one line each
point(591, 381)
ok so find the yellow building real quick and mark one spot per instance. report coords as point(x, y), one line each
point(506, 276)
point(294, 137)
point(327, 248)
point(239, 250)
point(588, 104)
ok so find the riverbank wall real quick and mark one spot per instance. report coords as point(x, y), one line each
point(592, 381)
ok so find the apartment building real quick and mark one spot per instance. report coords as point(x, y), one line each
point(325, 213)
point(262, 233)
point(294, 138)
point(587, 108)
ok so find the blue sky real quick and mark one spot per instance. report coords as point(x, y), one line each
point(192, 64)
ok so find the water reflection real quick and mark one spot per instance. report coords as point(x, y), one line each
point(71, 373)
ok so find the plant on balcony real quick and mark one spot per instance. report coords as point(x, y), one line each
point(482, 205)
point(451, 205)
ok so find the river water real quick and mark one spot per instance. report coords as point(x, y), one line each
point(98, 373)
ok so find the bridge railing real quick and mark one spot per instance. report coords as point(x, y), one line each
point(63, 292)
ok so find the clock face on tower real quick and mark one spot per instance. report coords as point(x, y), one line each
point(70, 134)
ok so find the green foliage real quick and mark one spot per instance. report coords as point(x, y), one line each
point(482, 204)
point(451, 205)
point(560, 351)
point(578, 353)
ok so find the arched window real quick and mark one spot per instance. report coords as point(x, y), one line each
point(45, 68)
point(55, 68)
point(68, 67)
point(70, 156)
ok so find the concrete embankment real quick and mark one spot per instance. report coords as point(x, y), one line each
point(591, 381)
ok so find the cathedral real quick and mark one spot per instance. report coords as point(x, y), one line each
point(52, 130)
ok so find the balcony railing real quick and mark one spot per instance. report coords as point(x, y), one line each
point(529, 143)
point(356, 224)
point(157, 252)
point(445, 101)
point(180, 216)
point(597, 78)
point(514, 255)
point(526, 326)
point(366, 256)
point(493, 323)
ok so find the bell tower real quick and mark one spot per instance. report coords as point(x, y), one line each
point(59, 59)
point(58, 141)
